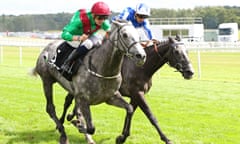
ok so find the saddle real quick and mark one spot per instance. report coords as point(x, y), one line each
point(62, 53)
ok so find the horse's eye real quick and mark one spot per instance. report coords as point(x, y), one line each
point(125, 35)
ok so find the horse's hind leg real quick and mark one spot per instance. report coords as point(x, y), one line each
point(67, 103)
point(82, 112)
point(141, 102)
point(82, 107)
point(80, 122)
point(50, 108)
point(81, 126)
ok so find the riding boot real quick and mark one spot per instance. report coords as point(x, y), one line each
point(80, 51)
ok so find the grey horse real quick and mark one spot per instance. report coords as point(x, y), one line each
point(137, 81)
point(97, 79)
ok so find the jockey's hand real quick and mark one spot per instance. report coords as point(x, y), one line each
point(84, 37)
point(154, 41)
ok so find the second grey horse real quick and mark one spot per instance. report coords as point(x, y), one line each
point(137, 81)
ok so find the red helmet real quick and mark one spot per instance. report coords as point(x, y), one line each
point(100, 8)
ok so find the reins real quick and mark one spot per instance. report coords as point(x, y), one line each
point(119, 41)
point(155, 46)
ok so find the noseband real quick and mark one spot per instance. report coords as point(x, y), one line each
point(178, 65)
point(120, 42)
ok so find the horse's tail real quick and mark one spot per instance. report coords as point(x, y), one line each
point(33, 72)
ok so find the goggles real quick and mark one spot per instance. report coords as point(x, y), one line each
point(102, 17)
point(142, 16)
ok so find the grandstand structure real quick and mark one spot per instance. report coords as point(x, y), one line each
point(191, 29)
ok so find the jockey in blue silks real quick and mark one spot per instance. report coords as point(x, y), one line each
point(138, 17)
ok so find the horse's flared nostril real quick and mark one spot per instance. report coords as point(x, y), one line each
point(140, 59)
point(188, 74)
point(139, 56)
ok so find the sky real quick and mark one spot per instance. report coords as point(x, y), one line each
point(18, 7)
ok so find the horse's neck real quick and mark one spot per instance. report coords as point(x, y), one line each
point(107, 59)
point(155, 59)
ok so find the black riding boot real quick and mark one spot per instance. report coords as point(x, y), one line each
point(80, 51)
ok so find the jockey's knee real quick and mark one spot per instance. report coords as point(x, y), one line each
point(96, 40)
point(88, 44)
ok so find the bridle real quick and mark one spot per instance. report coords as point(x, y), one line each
point(115, 43)
point(119, 42)
point(178, 65)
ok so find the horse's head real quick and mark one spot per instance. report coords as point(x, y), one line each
point(126, 38)
point(178, 58)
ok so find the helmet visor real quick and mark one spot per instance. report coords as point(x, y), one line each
point(102, 17)
point(142, 16)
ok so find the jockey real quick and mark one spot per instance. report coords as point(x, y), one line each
point(83, 27)
point(138, 17)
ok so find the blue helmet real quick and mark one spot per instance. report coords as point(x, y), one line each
point(143, 9)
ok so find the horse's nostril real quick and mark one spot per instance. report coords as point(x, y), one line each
point(139, 56)
point(190, 72)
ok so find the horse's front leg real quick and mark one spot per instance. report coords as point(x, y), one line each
point(50, 108)
point(141, 102)
point(117, 100)
point(127, 125)
point(82, 110)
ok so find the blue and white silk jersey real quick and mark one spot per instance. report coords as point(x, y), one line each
point(129, 15)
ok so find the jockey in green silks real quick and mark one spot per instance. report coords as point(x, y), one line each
point(83, 27)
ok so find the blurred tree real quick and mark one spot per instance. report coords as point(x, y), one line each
point(212, 17)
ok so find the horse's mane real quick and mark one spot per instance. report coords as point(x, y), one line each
point(163, 43)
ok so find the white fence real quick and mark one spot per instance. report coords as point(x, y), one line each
point(29, 42)
point(21, 43)
point(214, 46)
point(192, 46)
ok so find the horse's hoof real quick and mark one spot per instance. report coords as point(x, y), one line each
point(169, 142)
point(91, 143)
point(120, 139)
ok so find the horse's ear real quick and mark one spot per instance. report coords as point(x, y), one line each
point(178, 38)
point(171, 40)
point(117, 22)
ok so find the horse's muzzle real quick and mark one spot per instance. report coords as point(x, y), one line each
point(140, 59)
point(188, 72)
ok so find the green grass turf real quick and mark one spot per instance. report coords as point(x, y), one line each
point(199, 111)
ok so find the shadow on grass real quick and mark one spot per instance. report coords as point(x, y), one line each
point(50, 136)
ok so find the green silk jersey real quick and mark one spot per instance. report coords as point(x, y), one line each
point(75, 26)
